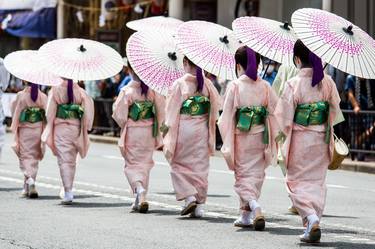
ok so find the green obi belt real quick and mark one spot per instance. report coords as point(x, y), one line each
point(69, 111)
point(313, 114)
point(32, 115)
point(246, 117)
point(140, 110)
point(196, 106)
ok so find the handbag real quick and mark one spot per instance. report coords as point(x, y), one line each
point(340, 151)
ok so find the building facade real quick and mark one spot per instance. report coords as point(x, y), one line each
point(360, 12)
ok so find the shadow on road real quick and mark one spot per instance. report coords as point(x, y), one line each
point(97, 205)
point(339, 217)
point(339, 245)
point(291, 231)
point(10, 189)
point(55, 197)
point(160, 212)
point(209, 195)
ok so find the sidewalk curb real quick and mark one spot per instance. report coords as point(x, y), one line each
point(103, 139)
point(347, 165)
point(355, 166)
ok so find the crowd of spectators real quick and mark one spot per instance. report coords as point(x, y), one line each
point(357, 100)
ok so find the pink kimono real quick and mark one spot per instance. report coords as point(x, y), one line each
point(27, 136)
point(137, 143)
point(307, 156)
point(245, 152)
point(68, 137)
point(191, 139)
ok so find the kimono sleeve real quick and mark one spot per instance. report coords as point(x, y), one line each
point(121, 109)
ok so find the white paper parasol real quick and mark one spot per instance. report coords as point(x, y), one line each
point(210, 46)
point(155, 59)
point(272, 39)
point(25, 65)
point(337, 41)
point(162, 23)
point(81, 59)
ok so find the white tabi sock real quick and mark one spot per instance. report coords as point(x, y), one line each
point(254, 205)
point(139, 188)
point(313, 219)
point(245, 216)
point(30, 181)
point(190, 199)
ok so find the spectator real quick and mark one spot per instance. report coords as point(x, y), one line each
point(92, 88)
point(126, 76)
point(271, 72)
point(360, 94)
point(339, 78)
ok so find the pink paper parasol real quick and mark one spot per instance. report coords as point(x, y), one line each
point(337, 41)
point(80, 59)
point(155, 59)
point(272, 39)
point(25, 65)
point(210, 46)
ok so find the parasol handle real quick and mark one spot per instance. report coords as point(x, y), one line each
point(224, 39)
point(172, 56)
point(348, 30)
point(166, 14)
point(82, 48)
point(285, 26)
point(265, 71)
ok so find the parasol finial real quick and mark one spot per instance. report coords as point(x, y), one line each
point(224, 39)
point(172, 56)
point(349, 30)
point(82, 48)
point(285, 26)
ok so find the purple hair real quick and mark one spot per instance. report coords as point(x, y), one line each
point(70, 92)
point(317, 66)
point(34, 91)
point(200, 79)
point(251, 68)
point(144, 88)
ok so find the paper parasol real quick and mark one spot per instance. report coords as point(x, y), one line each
point(80, 59)
point(210, 46)
point(337, 41)
point(272, 39)
point(155, 59)
point(25, 65)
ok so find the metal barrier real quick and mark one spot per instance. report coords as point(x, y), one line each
point(358, 131)
point(103, 121)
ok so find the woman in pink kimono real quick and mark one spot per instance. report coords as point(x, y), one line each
point(69, 115)
point(138, 111)
point(305, 112)
point(247, 126)
point(191, 113)
point(28, 122)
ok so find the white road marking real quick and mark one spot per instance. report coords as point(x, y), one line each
point(228, 172)
point(175, 207)
point(172, 207)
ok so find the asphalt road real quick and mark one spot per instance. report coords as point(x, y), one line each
point(101, 217)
